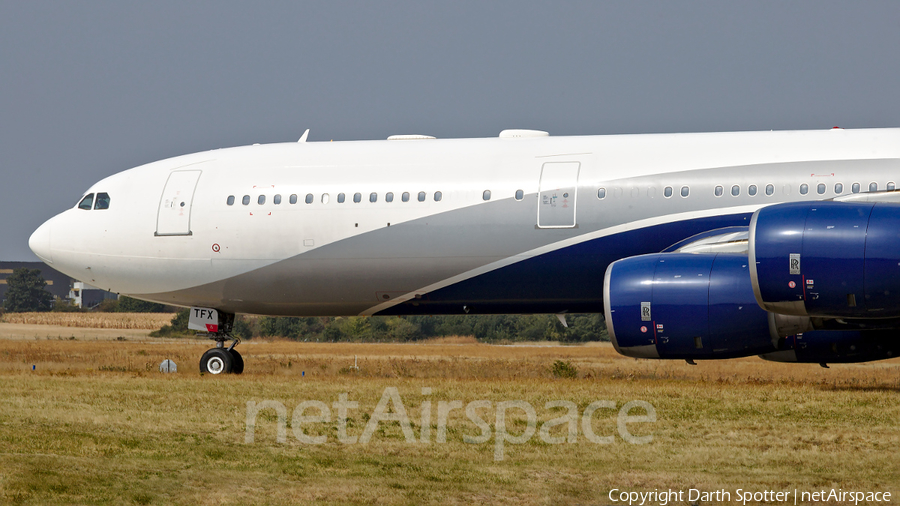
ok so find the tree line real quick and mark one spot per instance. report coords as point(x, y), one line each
point(27, 292)
point(489, 328)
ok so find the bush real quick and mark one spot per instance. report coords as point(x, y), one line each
point(65, 306)
point(107, 306)
point(178, 327)
point(563, 369)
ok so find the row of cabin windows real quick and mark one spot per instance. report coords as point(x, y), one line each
point(770, 189)
point(821, 188)
point(341, 198)
point(751, 190)
point(357, 197)
point(87, 203)
point(668, 191)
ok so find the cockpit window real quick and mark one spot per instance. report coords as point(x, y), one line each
point(102, 201)
point(87, 202)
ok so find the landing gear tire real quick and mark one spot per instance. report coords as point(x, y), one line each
point(219, 326)
point(218, 361)
point(237, 362)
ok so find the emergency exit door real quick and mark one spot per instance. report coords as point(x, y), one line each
point(174, 216)
point(556, 195)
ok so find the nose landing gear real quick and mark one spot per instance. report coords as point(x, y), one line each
point(219, 325)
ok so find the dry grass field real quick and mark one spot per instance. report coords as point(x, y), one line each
point(95, 423)
point(146, 321)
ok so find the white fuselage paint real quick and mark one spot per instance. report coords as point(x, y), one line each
point(139, 247)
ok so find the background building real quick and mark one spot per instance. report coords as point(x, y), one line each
point(59, 284)
point(85, 295)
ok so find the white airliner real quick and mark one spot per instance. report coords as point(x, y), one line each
point(521, 223)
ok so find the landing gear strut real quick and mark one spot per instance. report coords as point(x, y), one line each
point(222, 359)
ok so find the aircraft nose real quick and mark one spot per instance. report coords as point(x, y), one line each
point(40, 242)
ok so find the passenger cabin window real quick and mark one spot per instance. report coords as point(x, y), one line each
point(293, 199)
point(276, 199)
point(735, 190)
point(261, 200)
point(804, 189)
point(719, 191)
point(325, 198)
point(685, 191)
point(770, 189)
point(357, 198)
point(890, 187)
point(668, 191)
point(421, 196)
point(309, 198)
point(341, 198)
point(486, 195)
point(855, 188)
point(601, 194)
point(389, 197)
point(437, 196)
point(751, 190)
point(873, 187)
point(246, 200)
point(230, 200)
point(373, 197)
point(820, 188)
point(405, 197)
point(87, 202)
point(838, 188)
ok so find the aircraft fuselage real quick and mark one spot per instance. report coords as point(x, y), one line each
point(495, 225)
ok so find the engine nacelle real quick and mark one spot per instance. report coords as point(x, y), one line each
point(827, 259)
point(823, 347)
point(688, 306)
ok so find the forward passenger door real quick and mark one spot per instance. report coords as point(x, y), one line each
point(557, 194)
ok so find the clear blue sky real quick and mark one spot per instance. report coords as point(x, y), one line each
point(88, 89)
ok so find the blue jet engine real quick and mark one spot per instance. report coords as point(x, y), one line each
point(827, 259)
point(686, 306)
